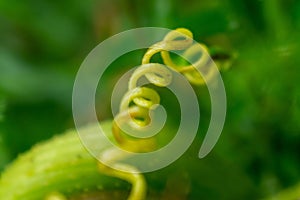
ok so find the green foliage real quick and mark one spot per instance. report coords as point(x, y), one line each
point(42, 44)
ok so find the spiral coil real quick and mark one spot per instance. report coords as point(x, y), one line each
point(144, 98)
point(140, 100)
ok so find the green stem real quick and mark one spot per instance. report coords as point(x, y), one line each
point(59, 165)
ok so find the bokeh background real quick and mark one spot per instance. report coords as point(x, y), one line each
point(42, 44)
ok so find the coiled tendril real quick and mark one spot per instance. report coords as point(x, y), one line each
point(138, 101)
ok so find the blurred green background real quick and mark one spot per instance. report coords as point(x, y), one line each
point(42, 44)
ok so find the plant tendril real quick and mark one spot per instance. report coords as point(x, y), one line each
point(140, 100)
